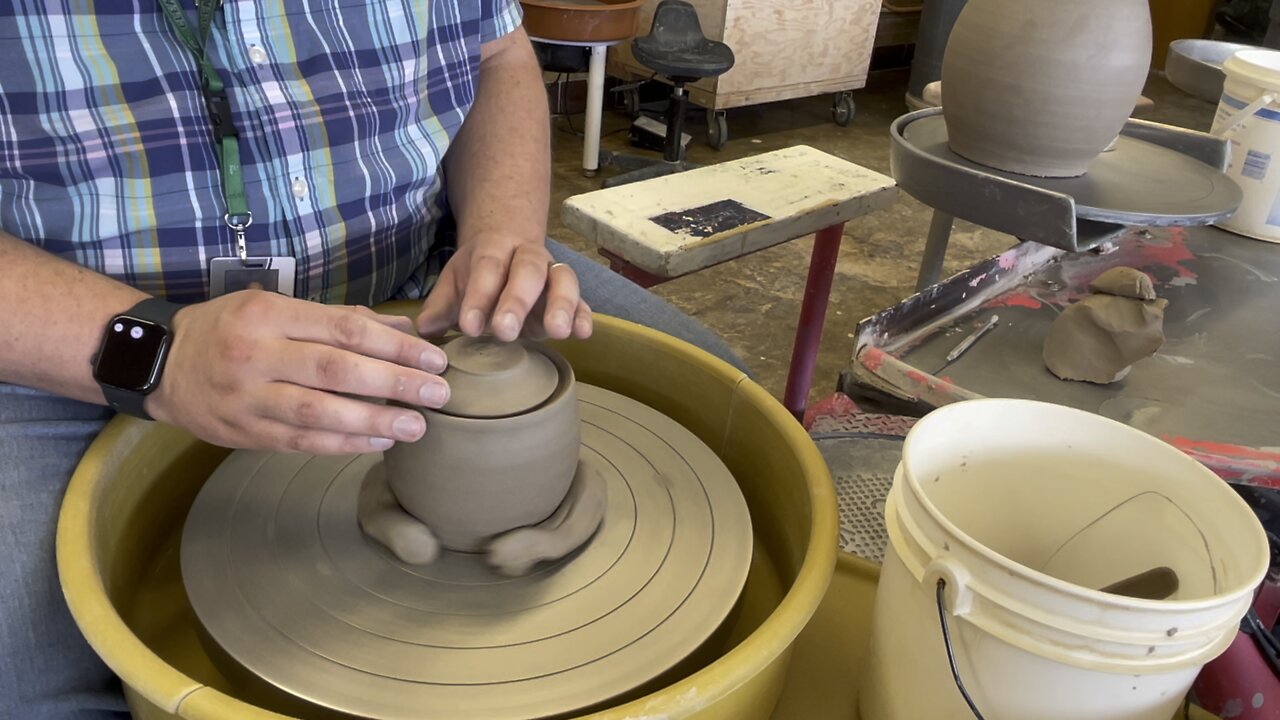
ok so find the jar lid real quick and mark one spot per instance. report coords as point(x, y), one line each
point(489, 378)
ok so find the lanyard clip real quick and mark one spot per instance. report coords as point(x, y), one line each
point(238, 224)
point(219, 107)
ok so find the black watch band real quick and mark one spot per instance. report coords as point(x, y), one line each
point(126, 402)
point(129, 398)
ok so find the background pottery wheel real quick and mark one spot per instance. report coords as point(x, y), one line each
point(284, 582)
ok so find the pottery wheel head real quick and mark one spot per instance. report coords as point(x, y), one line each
point(489, 378)
point(292, 598)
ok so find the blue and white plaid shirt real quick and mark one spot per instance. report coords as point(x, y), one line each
point(345, 110)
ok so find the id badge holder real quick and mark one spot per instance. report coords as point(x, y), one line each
point(274, 273)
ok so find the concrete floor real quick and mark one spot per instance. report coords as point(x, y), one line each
point(753, 302)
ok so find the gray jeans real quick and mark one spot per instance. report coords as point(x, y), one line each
point(47, 671)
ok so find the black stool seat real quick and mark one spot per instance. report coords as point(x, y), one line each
point(676, 46)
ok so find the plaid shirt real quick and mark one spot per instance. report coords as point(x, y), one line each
point(345, 110)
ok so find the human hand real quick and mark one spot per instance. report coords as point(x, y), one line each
point(508, 287)
point(257, 370)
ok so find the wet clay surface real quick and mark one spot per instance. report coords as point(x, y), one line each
point(503, 453)
point(513, 553)
point(1125, 282)
point(1100, 338)
point(1041, 87)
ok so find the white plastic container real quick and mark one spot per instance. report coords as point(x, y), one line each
point(1249, 116)
point(1024, 509)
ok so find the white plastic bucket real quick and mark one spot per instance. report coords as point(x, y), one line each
point(1249, 116)
point(1023, 509)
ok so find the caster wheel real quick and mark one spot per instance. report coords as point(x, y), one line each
point(843, 109)
point(631, 100)
point(717, 129)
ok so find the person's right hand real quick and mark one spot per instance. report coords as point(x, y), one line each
point(257, 370)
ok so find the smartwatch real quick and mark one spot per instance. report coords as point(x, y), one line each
point(131, 358)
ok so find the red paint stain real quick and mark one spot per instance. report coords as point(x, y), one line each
point(837, 405)
point(920, 378)
point(873, 359)
point(1170, 253)
point(1226, 450)
point(1233, 462)
point(1017, 298)
point(1008, 260)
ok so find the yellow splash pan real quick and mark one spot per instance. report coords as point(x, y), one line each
point(121, 520)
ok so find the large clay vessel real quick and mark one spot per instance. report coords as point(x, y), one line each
point(501, 454)
point(1042, 87)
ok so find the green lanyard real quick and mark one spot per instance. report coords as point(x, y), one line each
point(225, 134)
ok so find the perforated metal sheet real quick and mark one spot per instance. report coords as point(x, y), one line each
point(862, 452)
point(861, 500)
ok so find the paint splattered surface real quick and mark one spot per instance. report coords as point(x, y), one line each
point(1217, 378)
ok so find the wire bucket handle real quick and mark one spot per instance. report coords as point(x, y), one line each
point(951, 654)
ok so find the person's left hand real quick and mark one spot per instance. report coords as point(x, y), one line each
point(508, 287)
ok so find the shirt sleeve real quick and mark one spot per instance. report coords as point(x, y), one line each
point(499, 17)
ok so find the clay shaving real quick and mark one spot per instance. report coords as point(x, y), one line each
point(1124, 282)
point(1098, 339)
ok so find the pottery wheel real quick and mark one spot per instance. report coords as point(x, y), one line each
point(286, 584)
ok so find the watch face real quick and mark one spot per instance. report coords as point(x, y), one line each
point(131, 353)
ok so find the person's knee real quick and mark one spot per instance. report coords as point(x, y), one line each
point(47, 669)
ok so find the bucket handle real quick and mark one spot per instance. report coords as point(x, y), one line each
point(951, 655)
point(1243, 115)
point(944, 572)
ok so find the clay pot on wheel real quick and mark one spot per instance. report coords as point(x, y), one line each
point(501, 454)
point(1042, 87)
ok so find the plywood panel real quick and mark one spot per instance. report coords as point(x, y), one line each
point(794, 43)
point(784, 48)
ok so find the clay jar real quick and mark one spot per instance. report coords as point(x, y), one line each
point(1042, 87)
point(501, 454)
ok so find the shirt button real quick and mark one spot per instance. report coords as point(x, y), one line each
point(300, 188)
point(257, 54)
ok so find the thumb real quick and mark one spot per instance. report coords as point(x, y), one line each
point(440, 311)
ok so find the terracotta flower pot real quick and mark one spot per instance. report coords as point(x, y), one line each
point(582, 20)
point(501, 454)
point(1042, 87)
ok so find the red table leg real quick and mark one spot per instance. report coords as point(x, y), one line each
point(813, 312)
point(631, 272)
